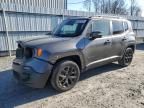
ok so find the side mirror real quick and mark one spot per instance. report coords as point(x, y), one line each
point(94, 35)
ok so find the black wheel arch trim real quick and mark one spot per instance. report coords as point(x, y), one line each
point(60, 56)
point(129, 46)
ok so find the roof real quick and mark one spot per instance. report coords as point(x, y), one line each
point(101, 17)
point(107, 17)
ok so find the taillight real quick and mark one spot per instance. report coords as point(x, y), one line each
point(39, 52)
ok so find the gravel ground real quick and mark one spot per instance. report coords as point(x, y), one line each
point(109, 86)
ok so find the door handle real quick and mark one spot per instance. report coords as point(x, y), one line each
point(124, 39)
point(107, 42)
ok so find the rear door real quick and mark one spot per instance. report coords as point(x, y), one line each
point(119, 37)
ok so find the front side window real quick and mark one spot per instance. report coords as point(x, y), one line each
point(101, 26)
point(71, 28)
point(117, 27)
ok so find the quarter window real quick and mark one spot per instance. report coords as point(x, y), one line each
point(101, 26)
point(117, 27)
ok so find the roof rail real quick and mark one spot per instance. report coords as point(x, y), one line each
point(108, 16)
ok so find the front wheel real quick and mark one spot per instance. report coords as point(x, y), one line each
point(127, 57)
point(65, 75)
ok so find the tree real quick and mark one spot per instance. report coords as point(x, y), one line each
point(107, 6)
point(134, 9)
point(118, 7)
point(87, 4)
point(97, 5)
point(113, 7)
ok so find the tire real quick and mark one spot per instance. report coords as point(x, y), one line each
point(65, 75)
point(127, 58)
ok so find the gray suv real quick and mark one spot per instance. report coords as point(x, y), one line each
point(74, 46)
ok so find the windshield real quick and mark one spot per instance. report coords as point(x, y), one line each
point(70, 28)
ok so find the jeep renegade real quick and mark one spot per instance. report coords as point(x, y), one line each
point(74, 46)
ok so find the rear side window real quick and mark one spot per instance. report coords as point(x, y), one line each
point(117, 27)
point(125, 26)
point(102, 26)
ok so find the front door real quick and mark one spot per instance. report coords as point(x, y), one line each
point(98, 49)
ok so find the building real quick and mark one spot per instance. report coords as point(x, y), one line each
point(21, 19)
point(57, 4)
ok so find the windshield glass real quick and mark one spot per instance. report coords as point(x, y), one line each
point(70, 28)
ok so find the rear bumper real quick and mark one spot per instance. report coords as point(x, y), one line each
point(33, 73)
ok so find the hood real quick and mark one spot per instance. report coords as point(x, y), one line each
point(43, 40)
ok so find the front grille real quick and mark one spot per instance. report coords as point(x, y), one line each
point(22, 52)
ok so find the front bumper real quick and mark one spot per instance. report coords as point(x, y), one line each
point(33, 73)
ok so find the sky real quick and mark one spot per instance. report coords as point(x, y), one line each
point(79, 6)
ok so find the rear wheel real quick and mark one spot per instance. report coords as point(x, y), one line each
point(65, 75)
point(127, 57)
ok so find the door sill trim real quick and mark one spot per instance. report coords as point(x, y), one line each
point(102, 60)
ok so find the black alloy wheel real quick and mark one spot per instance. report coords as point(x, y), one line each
point(127, 57)
point(65, 75)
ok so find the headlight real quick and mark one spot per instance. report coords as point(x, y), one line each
point(28, 53)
